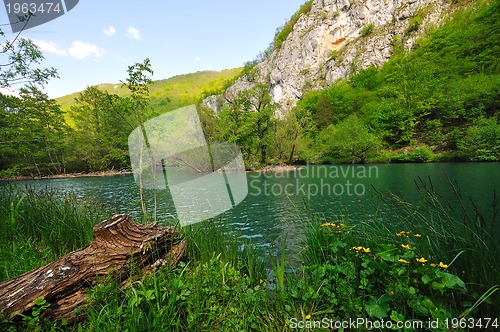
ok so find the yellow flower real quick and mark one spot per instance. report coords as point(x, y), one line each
point(409, 232)
point(326, 224)
point(403, 261)
point(417, 235)
point(405, 246)
point(308, 316)
point(432, 264)
point(444, 266)
point(366, 249)
point(341, 225)
point(421, 260)
point(400, 233)
point(261, 281)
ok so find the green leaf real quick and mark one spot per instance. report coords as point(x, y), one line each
point(40, 301)
point(378, 307)
point(452, 281)
point(426, 279)
point(396, 316)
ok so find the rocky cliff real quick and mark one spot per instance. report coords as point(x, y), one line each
point(333, 39)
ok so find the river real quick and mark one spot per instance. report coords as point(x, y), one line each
point(277, 201)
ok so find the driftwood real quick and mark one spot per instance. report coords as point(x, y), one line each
point(118, 244)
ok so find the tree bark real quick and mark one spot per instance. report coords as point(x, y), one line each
point(119, 243)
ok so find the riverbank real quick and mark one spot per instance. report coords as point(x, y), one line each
point(387, 275)
point(111, 172)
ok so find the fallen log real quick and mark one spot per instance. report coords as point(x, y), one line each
point(119, 243)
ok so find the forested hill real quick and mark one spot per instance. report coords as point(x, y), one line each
point(168, 94)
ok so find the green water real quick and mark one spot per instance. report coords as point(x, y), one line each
point(275, 201)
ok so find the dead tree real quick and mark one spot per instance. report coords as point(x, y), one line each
point(119, 243)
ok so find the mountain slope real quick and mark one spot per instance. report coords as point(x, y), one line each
point(168, 94)
point(327, 40)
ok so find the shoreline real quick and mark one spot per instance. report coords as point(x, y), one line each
point(268, 168)
point(69, 175)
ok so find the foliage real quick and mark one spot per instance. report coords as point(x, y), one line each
point(457, 231)
point(482, 140)
point(248, 121)
point(351, 139)
point(101, 128)
point(169, 94)
point(383, 281)
point(423, 100)
point(32, 131)
point(20, 60)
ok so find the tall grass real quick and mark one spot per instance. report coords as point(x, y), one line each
point(455, 230)
point(37, 227)
point(348, 270)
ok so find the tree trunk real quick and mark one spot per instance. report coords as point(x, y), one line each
point(119, 244)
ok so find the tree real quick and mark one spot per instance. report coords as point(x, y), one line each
point(33, 136)
point(249, 121)
point(138, 83)
point(19, 62)
point(290, 134)
point(482, 140)
point(101, 129)
point(30, 122)
point(352, 139)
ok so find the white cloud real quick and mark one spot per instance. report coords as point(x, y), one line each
point(110, 31)
point(133, 33)
point(81, 50)
point(51, 47)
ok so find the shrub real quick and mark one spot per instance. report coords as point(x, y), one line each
point(421, 154)
point(482, 140)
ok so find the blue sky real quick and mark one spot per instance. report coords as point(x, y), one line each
point(96, 41)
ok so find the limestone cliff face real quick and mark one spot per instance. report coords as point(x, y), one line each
point(331, 41)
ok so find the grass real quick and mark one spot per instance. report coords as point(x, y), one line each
point(436, 260)
point(39, 227)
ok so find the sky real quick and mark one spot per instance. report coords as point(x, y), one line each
point(97, 40)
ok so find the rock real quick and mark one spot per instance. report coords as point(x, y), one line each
point(326, 45)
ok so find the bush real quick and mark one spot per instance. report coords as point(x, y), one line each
point(482, 140)
point(421, 154)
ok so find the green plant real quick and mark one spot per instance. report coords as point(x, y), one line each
point(42, 226)
point(414, 24)
point(279, 268)
point(482, 140)
point(421, 154)
point(385, 281)
point(458, 231)
point(33, 321)
point(367, 30)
